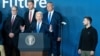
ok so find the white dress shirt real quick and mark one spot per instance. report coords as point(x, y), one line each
point(32, 13)
point(13, 16)
point(51, 14)
point(40, 23)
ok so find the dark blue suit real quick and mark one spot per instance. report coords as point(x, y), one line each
point(55, 22)
point(43, 29)
point(26, 19)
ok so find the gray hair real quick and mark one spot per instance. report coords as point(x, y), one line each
point(39, 13)
point(14, 7)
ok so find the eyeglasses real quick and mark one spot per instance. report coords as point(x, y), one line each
point(14, 10)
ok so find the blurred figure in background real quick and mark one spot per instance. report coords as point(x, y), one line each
point(0, 17)
point(2, 51)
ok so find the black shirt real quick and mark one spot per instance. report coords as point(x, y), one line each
point(88, 39)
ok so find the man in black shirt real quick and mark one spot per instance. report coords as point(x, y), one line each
point(88, 38)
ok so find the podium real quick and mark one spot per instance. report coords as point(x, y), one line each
point(33, 44)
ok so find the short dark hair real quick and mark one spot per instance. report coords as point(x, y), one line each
point(14, 7)
point(88, 18)
point(31, 1)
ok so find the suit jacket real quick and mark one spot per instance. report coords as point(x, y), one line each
point(26, 19)
point(43, 29)
point(15, 28)
point(55, 22)
point(1, 39)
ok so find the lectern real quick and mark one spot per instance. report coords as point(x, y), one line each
point(33, 44)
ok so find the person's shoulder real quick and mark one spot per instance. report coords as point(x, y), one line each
point(45, 13)
point(26, 12)
point(18, 16)
point(34, 23)
point(8, 17)
point(57, 14)
point(93, 28)
point(83, 28)
point(44, 23)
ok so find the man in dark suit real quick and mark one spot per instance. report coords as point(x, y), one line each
point(11, 29)
point(2, 51)
point(29, 15)
point(53, 19)
point(39, 26)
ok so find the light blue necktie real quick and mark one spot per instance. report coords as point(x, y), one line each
point(38, 29)
point(49, 17)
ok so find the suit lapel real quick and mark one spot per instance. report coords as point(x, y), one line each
point(15, 21)
point(32, 15)
point(52, 19)
point(10, 19)
point(28, 17)
point(41, 28)
point(35, 27)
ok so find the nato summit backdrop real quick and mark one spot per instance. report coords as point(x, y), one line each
point(72, 12)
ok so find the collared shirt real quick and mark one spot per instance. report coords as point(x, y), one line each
point(13, 17)
point(32, 13)
point(51, 14)
point(40, 23)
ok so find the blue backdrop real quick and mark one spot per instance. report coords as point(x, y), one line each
point(73, 12)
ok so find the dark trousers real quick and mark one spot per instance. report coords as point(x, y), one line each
point(54, 48)
point(58, 48)
point(11, 50)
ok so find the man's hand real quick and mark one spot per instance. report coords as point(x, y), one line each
point(59, 39)
point(79, 51)
point(22, 28)
point(91, 53)
point(50, 28)
point(11, 35)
